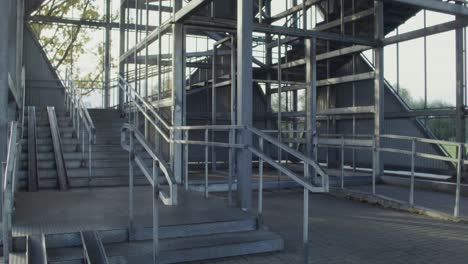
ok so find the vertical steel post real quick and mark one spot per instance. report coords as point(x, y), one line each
point(374, 164)
point(122, 26)
point(413, 160)
point(107, 59)
point(305, 227)
point(206, 162)
point(260, 183)
point(244, 97)
point(178, 87)
point(379, 84)
point(279, 117)
point(456, 210)
point(213, 105)
point(186, 160)
point(460, 91)
point(130, 186)
point(311, 101)
point(155, 212)
point(231, 165)
point(342, 161)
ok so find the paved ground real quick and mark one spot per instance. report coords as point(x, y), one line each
point(343, 231)
point(443, 202)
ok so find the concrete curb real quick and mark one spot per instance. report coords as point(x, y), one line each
point(387, 202)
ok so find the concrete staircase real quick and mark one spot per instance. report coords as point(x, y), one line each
point(109, 160)
point(47, 173)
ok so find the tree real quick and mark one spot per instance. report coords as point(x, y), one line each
point(442, 127)
point(65, 43)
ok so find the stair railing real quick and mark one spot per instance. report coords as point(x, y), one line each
point(9, 189)
point(306, 181)
point(367, 142)
point(137, 105)
point(82, 122)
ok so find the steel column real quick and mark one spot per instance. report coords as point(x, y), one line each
point(107, 59)
point(178, 87)
point(460, 90)
point(244, 97)
point(121, 52)
point(311, 100)
point(379, 84)
point(4, 28)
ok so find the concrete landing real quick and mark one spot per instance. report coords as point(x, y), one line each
point(52, 212)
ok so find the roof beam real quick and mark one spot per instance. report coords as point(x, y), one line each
point(447, 26)
point(437, 6)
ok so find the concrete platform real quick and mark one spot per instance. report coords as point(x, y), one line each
point(196, 229)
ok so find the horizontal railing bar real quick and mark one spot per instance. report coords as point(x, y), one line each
point(286, 171)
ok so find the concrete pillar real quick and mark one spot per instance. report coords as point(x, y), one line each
point(178, 87)
point(244, 103)
point(379, 83)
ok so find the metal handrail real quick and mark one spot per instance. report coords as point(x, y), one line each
point(80, 114)
point(9, 188)
point(458, 161)
point(291, 152)
point(162, 165)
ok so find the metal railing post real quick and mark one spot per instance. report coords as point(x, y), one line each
point(342, 161)
point(231, 166)
point(260, 184)
point(206, 162)
point(130, 187)
point(155, 212)
point(456, 211)
point(90, 163)
point(186, 160)
point(413, 158)
point(374, 165)
point(305, 233)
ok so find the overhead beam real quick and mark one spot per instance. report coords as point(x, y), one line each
point(83, 22)
point(166, 27)
point(230, 25)
point(347, 79)
point(189, 9)
point(444, 27)
point(294, 9)
point(437, 6)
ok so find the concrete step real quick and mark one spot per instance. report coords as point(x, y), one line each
point(84, 172)
point(166, 231)
point(83, 182)
point(177, 250)
point(120, 155)
point(65, 255)
point(48, 141)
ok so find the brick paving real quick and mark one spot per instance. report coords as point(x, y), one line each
point(439, 201)
point(343, 231)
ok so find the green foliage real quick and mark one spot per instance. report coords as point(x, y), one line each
point(442, 127)
point(64, 44)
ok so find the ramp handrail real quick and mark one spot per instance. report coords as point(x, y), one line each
point(80, 114)
point(9, 189)
point(368, 142)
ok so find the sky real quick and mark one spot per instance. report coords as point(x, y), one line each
point(440, 57)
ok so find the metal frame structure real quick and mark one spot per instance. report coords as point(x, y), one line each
point(157, 84)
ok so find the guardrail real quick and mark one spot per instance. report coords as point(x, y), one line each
point(367, 142)
point(137, 105)
point(81, 121)
point(9, 189)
